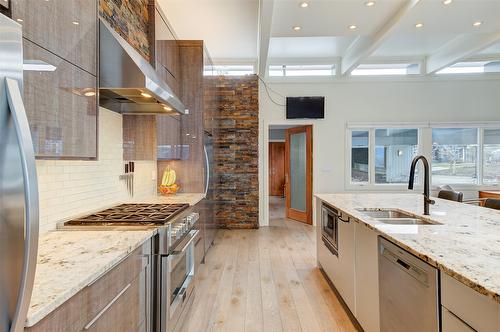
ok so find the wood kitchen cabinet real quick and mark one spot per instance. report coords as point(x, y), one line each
point(61, 96)
point(167, 53)
point(61, 106)
point(168, 131)
point(366, 278)
point(339, 268)
point(345, 268)
point(139, 137)
point(66, 28)
point(465, 309)
point(120, 300)
point(192, 155)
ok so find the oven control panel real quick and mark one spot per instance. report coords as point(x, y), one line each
point(182, 227)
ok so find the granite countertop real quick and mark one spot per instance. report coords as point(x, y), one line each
point(68, 261)
point(466, 245)
point(191, 198)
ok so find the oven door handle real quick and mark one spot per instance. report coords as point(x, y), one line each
point(185, 245)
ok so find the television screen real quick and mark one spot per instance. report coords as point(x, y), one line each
point(305, 107)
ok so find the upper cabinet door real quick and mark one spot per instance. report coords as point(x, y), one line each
point(61, 106)
point(67, 28)
point(167, 54)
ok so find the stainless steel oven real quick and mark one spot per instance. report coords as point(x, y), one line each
point(177, 281)
point(329, 228)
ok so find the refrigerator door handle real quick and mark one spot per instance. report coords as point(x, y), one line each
point(207, 170)
point(31, 211)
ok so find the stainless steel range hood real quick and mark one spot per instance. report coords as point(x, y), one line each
point(128, 84)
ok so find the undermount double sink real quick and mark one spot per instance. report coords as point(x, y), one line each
point(396, 217)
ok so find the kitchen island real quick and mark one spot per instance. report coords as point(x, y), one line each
point(462, 241)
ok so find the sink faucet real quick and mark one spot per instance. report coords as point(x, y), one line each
point(427, 199)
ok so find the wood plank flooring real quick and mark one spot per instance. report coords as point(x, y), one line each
point(265, 280)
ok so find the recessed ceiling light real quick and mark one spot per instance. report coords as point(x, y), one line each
point(369, 3)
point(146, 95)
point(296, 28)
point(167, 108)
point(477, 23)
point(19, 20)
point(89, 94)
point(447, 2)
point(304, 4)
point(353, 27)
point(75, 22)
point(419, 25)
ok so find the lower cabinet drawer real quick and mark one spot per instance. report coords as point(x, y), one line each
point(104, 290)
point(120, 300)
point(476, 310)
point(451, 323)
point(124, 312)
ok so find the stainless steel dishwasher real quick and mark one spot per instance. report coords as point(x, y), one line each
point(408, 289)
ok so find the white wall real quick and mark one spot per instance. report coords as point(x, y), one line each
point(365, 101)
point(71, 188)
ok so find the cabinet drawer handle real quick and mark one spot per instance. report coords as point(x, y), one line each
point(96, 318)
point(346, 221)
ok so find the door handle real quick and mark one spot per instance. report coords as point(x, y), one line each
point(31, 212)
point(207, 169)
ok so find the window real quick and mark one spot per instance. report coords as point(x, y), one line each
point(472, 67)
point(394, 151)
point(229, 70)
point(491, 156)
point(301, 70)
point(387, 69)
point(359, 156)
point(459, 156)
point(454, 156)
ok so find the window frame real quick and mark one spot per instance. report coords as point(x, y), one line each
point(371, 128)
point(424, 148)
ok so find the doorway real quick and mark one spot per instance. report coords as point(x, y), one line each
point(290, 173)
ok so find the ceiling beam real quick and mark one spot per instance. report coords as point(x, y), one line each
point(458, 49)
point(364, 46)
point(266, 8)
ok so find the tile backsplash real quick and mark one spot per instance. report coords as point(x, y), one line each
point(71, 188)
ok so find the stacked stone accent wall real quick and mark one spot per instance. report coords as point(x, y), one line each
point(236, 154)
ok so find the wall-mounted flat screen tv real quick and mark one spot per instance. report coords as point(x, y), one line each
point(305, 107)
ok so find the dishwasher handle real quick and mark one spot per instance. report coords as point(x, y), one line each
point(406, 266)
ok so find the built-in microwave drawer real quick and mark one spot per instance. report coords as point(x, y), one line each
point(329, 228)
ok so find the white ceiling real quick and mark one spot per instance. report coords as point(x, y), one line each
point(228, 27)
point(329, 17)
point(308, 47)
point(232, 30)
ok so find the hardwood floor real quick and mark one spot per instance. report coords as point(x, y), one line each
point(265, 280)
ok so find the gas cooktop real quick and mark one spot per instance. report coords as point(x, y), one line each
point(132, 214)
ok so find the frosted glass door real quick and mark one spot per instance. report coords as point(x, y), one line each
point(298, 171)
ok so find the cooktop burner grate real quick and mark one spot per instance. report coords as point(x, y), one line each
point(130, 214)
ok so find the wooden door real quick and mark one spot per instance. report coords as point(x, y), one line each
point(276, 168)
point(298, 173)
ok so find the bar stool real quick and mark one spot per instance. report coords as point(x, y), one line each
point(492, 203)
point(451, 195)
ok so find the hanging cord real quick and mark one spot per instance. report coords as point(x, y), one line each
point(269, 95)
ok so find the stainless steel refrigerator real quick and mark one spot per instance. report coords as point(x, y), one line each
point(18, 186)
